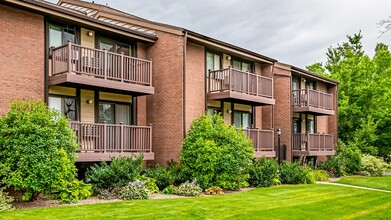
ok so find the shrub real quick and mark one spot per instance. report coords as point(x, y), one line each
point(134, 190)
point(320, 175)
point(216, 154)
point(371, 166)
point(189, 189)
point(116, 174)
point(264, 173)
point(293, 173)
point(169, 190)
point(77, 190)
point(214, 190)
point(347, 161)
point(37, 149)
point(107, 194)
point(150, 184)
point(162, 175)
point(5, 201)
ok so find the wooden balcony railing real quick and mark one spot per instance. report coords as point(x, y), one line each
point(262, 139)
point(109, 138)
point(312, 98)
point(231, 79)
point(312, 142)
point(73, 58)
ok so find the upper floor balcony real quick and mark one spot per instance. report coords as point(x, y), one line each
point(85, 66)
point(314, 101)
point(241, 87)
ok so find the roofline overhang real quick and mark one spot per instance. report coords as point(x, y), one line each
point(55, 11)
point(313, 75)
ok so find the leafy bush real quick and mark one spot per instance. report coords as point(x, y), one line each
point(293, 173)
point(169, 190)
point(37, 149)
point(216, 154)
point(107, 194)
point(77, 190)
point(371, 166)
point(214, 190)
point(320, 175)
point(162, 175)
point(189, 189)
point(150, 184)
point(116, 174)
point(5, 201)
point(134, 190)
point(264, 173)
point(347, 161)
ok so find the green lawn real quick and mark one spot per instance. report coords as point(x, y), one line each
point(383, 182)
point(282, 202)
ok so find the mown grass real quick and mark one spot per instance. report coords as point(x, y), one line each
point(281, 202)
point(383, 182)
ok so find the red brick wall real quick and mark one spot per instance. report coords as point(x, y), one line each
point(195, 82)
point(21, 56)
point(141, 100)
point(282, 109)
point(164, 108)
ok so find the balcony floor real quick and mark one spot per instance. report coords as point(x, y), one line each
point(259, 154)
point(314, 153)
point(91, 81)
point(310, 109)
point(96, 157)
point(242, 98)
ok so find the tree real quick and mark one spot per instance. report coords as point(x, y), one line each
point(364, 94)
point(216, 154)
point(37, 149)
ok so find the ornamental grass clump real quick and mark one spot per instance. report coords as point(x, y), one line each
point(216, 154)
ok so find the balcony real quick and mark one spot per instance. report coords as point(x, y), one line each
point(312, 101)
point(237, 86)
point(262, 142)
point(89, 67)
point(99, 142)
point(312, 144)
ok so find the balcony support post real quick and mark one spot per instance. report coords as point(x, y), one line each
point(69, 57)
point(104, 63)
point(122, 66)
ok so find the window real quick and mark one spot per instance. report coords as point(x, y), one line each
point(59, 35)
point(212, 61)
point(114, 113)
point(310, 84)
point(241, 65)
point(212, 110)
point(296, 125)
point(242, 119)
point(114, 46)
point(295, 83)
point(311, 124)
point(65, 105)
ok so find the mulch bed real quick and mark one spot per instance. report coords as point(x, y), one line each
point(43, 202)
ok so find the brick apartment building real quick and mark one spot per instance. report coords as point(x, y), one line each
point(129, 85)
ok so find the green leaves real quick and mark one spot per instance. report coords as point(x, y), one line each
point(216, 154)
point(37, 149)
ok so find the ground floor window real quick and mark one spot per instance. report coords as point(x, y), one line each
point(64, 104)
point(242, 119)
point(114, 113)
point(213, 110)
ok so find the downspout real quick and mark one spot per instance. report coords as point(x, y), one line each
point(184, 85)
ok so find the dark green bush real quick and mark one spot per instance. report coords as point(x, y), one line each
point(134, 190)
point(216, 154)
point(264, 173)
point(162, 175)
point(5, 201)
point(347, 161)
point(118, 173)
point(293, 173)
point(189, 189)
point(320, 175)
point(37, 149)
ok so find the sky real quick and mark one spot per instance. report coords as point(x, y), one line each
point(293, 32)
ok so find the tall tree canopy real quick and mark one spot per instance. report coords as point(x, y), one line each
point(364, 97)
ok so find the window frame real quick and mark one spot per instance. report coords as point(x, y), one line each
point(241, 118)
point(63, 97)
point(130, 105)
